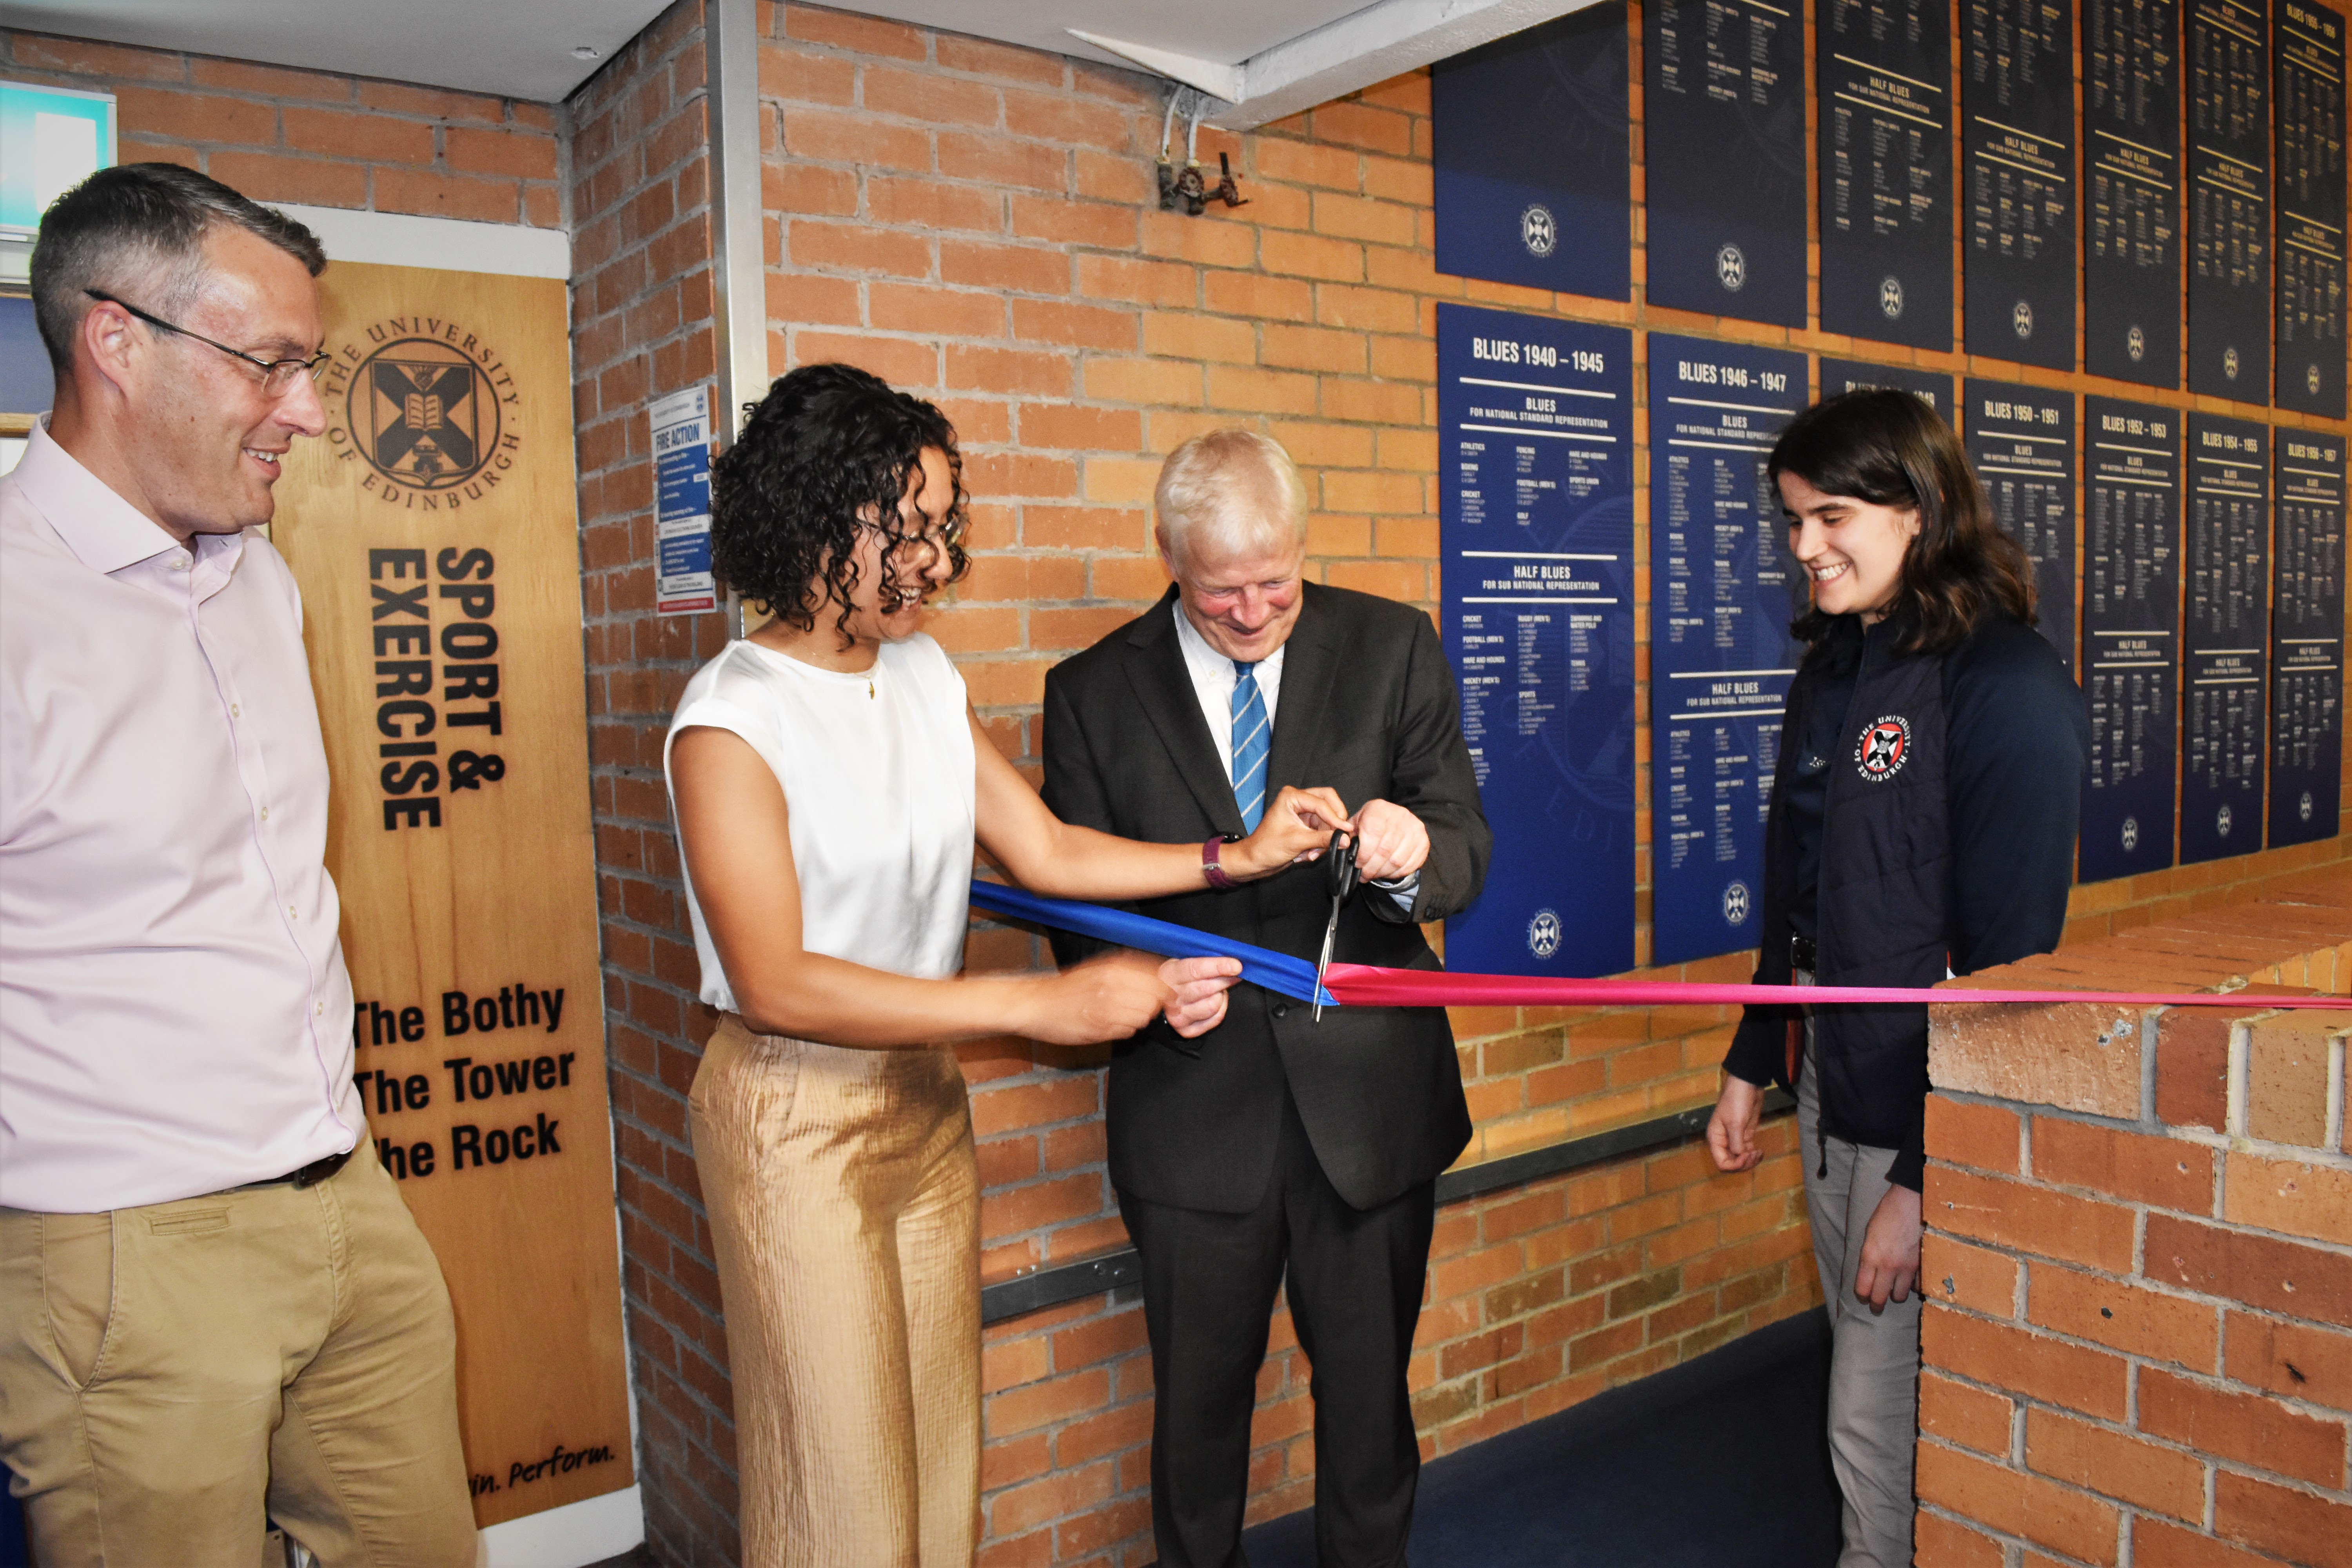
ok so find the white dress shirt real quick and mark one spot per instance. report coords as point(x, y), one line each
point(175, 1014)
point(1213, 679)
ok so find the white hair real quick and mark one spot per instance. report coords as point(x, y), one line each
point(1231, 491)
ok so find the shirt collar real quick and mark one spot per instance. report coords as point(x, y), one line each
point(1198, 653)
point(105, 532)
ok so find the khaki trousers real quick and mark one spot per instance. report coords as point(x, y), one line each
point(843, 1198)
point(170, 1374)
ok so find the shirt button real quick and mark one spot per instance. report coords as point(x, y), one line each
point(235, 712)
point(179, 563)
point(291, 913)
point(322, 1009)
point(265, 813)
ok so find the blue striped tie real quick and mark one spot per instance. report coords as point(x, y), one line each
point(1253, 738)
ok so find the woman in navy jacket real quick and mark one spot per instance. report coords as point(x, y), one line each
point(1923, 823)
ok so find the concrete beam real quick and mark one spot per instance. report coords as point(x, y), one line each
point(1384, 39)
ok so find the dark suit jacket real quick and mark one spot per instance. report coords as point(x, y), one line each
point(1367, 706)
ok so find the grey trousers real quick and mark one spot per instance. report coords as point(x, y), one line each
point(1874, 1356)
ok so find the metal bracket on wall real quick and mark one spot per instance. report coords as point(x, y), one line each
point(1189, 192)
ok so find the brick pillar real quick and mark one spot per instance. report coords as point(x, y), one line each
point(2138, 1268)
point(642, 328)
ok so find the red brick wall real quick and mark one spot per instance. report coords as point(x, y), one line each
point(976, 222)
point(314, 137)
point(973, 221)
point(2139, 1282)
point(640, 306)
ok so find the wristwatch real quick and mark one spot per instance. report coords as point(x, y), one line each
point(1214, 873)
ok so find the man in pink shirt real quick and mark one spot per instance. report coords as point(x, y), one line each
point(214, 1306)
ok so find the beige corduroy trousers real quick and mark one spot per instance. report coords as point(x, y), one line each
point(844, 1199)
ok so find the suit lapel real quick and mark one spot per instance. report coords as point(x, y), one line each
point(1155, 669)
point(1310, 661)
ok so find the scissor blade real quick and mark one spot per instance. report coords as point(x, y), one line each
point(1330, 933)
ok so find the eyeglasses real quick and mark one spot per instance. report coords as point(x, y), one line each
point(938, 542)
point(277, 374)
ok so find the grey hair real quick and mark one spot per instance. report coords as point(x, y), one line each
point(1237, 490)
point(140, 228)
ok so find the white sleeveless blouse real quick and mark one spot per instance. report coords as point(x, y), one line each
point(880, 789)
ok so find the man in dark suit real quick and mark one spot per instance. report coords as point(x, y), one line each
point(1258, 1143)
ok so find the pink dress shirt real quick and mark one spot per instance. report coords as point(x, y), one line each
point(175, 1014)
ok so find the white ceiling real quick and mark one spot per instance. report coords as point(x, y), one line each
point(1226, 31)
point(515, 48)
point(1269, 58)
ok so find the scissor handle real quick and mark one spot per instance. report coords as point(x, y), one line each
point(1339, 864)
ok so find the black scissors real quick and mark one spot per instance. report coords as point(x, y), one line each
point(1339, 875)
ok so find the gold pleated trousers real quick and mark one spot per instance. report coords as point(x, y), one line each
point(844, 1199)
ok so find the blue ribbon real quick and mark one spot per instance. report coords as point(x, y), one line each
point(1276, 971)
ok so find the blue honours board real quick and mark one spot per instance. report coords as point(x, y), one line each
point(2225, 638)
point(2308, 40)
point(2020, 441)
point(2131, 161)
point(1536, 466)
point(1884, 78)
point(1852, 375)
point(2131, 634)
point(1723, 590)
point(2017, 104)
point(1533, 158)
point(1724, 145)
point(2229, 196)
point(2307, 639)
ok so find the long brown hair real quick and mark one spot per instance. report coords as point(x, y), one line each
point(1889, 448)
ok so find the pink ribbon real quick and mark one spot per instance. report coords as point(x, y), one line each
point(1370, 985)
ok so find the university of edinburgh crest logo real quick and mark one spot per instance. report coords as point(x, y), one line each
point(424, 415)
point(1884, 748)
point(1731, 268)
point(1543, 933)
point(1537, 232)
point(427, 408)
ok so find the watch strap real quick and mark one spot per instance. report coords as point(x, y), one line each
point(1210, 869)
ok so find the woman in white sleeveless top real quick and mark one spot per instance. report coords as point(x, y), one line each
point(829, 780)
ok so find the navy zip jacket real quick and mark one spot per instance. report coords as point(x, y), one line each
point(1948, 839)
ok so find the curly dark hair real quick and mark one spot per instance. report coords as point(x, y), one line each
point(830, 449)
point(1890, 448)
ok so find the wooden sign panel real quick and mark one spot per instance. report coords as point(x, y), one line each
point(433, 532)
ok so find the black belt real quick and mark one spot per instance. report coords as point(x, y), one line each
point(309, 1175)
point(1802, 954)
